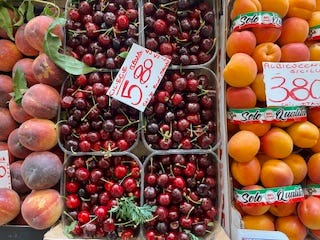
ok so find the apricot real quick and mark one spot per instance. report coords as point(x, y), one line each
point(276, 143)
point(6, 87)
point(38, 134)
point(261, 222)
point(283, 124)
point(22, 44)
point(243, 146)
point(47, 72)
point(243, 97)
point(9, 55)
point(15, 147)
point(313, 167)
point(41, 170)
point(244, 6)
point(314, 50)
point(283, 209)
point(266, 34)
point(8, 124)
point(316, 147)
point(259, 87)
point(254, 210)
point(317, 5)
point(246, 173)
point(42, 208)
point(25, 65)
point(262, 158)
point(240, 71)
point(313, 115)
point(266, 52)
point(41, 101)
point(9, 205)
point(276, 173)
point(17, 112)
point(308, 212)
point(292, 227)
point(258, 129)
point(240, 42)
point(295, 52)
point(281, 7)
point(36, 28)
point(304, 134)
point(301, 8)
point(298, 167)
point(4, 147)
point(294, 30)
point(17, 181)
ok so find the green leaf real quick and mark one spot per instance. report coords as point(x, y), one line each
point(5, 22)
point(193, 237)
point(51, 46)
point(123, 54)
point(30, 10)
point(21, 12)
point(19, 85)
point(48, 12)
point(69, 228)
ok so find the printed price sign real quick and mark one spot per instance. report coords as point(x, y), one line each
point(5, 178)
point(247, 234)
point(292, 84)
point(139, 77)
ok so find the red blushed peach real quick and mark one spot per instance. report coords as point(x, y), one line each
point(308, 212)
point(266, 34)
point(15, 147)
point(16, 179)
point(8, 124)
point(9, 205)
point(295, 52)
point(17, 112)
point(22, 44)
point(4, 147)
point(240, 97)
point(9, 55)
point(6, 87)
point(25, 65)
point(243, 41)
point(266, 52)
point(293, 30)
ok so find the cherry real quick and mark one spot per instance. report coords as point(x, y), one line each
point(82, 174)
point(120, 171)
point(186, 222)
point(101, 212)
point(72, 201)
point(72, 187)
point(160, 26)
point(83, 216)
point(109, 225)
point(116, 190)
point(164, 199)
point(122, 22)
point(129, 184)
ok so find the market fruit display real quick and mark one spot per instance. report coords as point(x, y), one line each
point(271, 154)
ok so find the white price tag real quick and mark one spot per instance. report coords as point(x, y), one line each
point(139, 77)
point(5, 177)
point(246, 234)
point(292, 83)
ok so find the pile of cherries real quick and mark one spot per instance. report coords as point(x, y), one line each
point(184, 189)
point(92, 186)
point(99, 31)
point(182, 30)
point(181, 114)
point(91, 121)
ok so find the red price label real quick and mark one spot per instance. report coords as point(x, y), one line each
point(292, 84)
point(5, 178)
point(139, 77)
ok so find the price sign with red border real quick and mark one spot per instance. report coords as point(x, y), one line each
point(139, 77)
point(5, 177)
point(292, 83)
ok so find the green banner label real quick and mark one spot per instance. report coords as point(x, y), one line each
point(312, 190)
point(314, 33)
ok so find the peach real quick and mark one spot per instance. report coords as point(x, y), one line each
point(308, 212)
point(294, 30)
point(17, 181)
point(283, 209)
point(38, 134)
point(259, 87)
point(15, 147)
point(246, 173)
point(17, 112)
point(314, 50)
point(243, 97)
point(244, 6)
point(9, 205)
point(9, 55)
point(298, 166)
point(313, 167)
point(313, 115)
point(266, 52)
point(243, 146)
point(42, 208)
point(41, 170)
point(4, 147)
point(25, 65)
point(36, 28)
point(295, 52)
point(276, 173)
point(6, 87)
point(41, 101)
point(22, 44)
point(276, 143)
point(8, 124)
point(266, 34)
point(258, 129)
point(261, 222)
point(301, 8)
point(47, 72)
point(240, 42)
point(304, 134)
point(240, 71)
point(254, 210)
point(292, 227)
point(281, 7)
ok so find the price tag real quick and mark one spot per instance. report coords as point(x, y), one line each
point(246, 234)
point(5, 178)
point(292, 84)
point(139, 77)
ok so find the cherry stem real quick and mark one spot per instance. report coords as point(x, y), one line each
point(188, 214)
point(92, 220)
point(90, 110)
point(68, 215)
point(128, 175)
point(180, 165)
point(191, 200)
point(213, 45)
point(162, 168)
